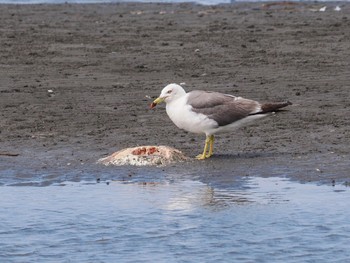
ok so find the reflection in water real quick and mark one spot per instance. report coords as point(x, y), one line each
point(188, 195)
point(258, 220)
point(191, 195)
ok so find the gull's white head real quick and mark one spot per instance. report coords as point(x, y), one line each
point(170, 93)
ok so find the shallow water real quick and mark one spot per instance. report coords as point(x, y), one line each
point(255, 220)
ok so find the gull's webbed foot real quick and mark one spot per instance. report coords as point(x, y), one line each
point(201, 157)
point(208, 155)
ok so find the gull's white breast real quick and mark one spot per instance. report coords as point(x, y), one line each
point(183, 117)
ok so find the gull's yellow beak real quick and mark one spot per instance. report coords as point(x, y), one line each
point(155, 102)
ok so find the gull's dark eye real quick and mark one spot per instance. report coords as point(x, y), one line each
point(169, 91)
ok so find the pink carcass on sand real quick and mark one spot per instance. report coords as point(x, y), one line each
point(144, 155)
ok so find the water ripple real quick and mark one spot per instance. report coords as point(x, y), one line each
point(261, 220)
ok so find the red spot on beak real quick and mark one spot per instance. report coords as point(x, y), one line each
point(153, 105)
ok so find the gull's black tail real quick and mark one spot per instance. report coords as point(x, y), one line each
point(274, 106)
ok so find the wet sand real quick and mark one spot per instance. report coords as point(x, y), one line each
point(75, 81)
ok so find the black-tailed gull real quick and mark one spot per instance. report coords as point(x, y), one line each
point(211, 112)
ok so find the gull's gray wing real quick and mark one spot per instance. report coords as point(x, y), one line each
point(222, 108)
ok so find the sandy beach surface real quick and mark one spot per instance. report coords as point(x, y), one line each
point(77, 80)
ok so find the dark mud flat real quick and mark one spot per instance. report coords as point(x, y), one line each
point(75, 81)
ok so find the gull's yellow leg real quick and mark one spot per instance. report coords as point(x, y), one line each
point(211, 146)
point(204, 154)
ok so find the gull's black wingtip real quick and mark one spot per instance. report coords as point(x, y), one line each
point(274, 106)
